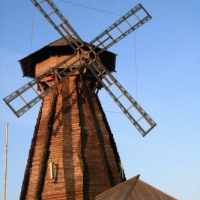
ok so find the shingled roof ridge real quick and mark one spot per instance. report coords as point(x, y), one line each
point(123, 184)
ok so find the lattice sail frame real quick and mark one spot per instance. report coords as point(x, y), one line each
point(105, 40)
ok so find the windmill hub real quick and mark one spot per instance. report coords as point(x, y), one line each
point(87, 54)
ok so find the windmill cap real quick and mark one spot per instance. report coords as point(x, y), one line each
point(59, 47)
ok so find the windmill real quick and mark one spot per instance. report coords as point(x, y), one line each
point(73, 154)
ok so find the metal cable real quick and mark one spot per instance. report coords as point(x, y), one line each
point(31, 42)
point(135, 65)
point(90, 8)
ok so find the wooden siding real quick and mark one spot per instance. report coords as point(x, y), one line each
point(51, 190)
point(72, 132)
point(100, 167)
point(52, 61)
point(37, 155)
point(72, 141)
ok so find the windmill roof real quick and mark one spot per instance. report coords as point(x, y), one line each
point(59, 47)
point(134, 188)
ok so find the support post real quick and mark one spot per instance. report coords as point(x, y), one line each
point(5, 164)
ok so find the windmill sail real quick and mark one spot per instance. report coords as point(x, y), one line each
point(117, 31)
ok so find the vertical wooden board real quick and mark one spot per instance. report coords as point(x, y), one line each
point(99, 172)
point(42, 66)
point(37, 165)
point(78, 141)
point(50, 189)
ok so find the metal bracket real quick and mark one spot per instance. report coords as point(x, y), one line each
point(54, 172)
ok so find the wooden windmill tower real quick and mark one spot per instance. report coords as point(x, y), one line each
point(73, 154)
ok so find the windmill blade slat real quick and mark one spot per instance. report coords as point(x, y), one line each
point(124, 26)
point(63, 27)
point(30, 86)
point(108, 80)
point(115, 33)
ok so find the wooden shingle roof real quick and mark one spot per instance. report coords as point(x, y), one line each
point(134, 189)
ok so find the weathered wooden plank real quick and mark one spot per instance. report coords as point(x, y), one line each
point(79, 143)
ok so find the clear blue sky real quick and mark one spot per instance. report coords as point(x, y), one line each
point(166, 85)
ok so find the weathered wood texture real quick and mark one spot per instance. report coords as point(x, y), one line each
point(52, 61)
point(71, 131)
point(38, 152)
point(100, 167)
point(132, 189)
